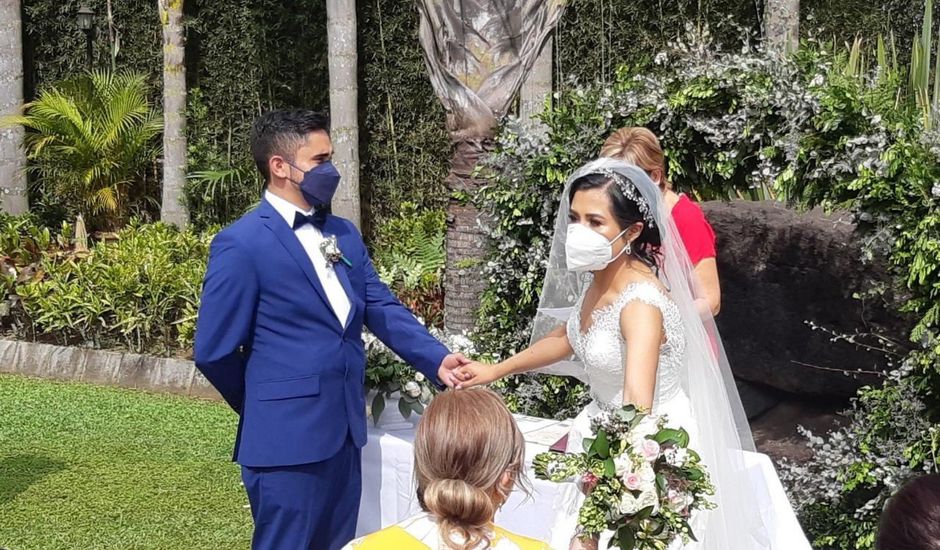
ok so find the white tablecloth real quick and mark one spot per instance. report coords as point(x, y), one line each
point(388, 490)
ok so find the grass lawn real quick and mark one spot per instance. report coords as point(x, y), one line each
point(85, 467)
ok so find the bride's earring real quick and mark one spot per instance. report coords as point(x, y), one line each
point(627, 250)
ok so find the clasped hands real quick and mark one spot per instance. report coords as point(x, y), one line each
point(458, 372)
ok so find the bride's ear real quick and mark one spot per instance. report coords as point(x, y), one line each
point(633, 232)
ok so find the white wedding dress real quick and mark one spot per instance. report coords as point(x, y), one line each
point(695, 387)
point(601, 350)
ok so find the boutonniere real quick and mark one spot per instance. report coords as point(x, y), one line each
point(331, 251)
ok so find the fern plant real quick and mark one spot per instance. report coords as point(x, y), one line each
point(217, 197)
point(410, 257)
point(92, 142)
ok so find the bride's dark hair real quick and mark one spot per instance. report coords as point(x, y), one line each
point(646, 247)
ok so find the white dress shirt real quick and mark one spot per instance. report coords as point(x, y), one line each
point(310, 238)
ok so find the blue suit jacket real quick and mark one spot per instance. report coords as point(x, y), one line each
point(269, 342)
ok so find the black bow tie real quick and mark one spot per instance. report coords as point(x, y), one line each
point(317, 219)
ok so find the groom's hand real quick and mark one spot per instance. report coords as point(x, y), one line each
point(447, 372)
point(476, 374)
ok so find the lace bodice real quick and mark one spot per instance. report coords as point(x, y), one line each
point(602, 348)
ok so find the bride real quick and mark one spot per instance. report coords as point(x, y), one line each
point(618, 311)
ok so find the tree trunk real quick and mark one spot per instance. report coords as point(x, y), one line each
point(344, 105)
point(478, 54)
point(466, 244)
point(782, 25)
point(537, 87)
point(12, 154)
point(172, 210)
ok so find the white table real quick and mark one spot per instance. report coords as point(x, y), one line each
point(388, 489)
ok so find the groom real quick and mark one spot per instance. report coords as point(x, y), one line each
point(279, 336)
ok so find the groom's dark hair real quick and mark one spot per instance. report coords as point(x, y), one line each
point(281, 133)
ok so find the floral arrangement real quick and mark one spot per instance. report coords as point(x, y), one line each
point(642, 481)
point(387, 375)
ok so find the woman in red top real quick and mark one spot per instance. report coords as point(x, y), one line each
point(640, 147)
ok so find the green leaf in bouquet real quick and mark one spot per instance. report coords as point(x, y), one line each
point(688, 529)
point(668, 435)
point(588, 444)
point(417, 407)
point(661, 483)
point(643, 514)
point(601, 445)
point(378, 405)
point(683, 438)
point(609, 468)
point(626, 538)
point(627, 413)
point(656, 527)
point(693, 474)
point(404, 408)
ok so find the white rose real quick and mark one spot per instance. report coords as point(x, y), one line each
point(629, 504)
point(426, 395)
point(648, 498)
point(647, 427)
point(637, 441)
point(623, 464)
point(419, 377)
point(647, 474)
point(413, 389)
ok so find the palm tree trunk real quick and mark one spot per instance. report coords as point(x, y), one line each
point(172, 210)
point(478, 54)
point(344, 105)
point(12, 154)
point(466, 243)
point(782, 25)
point(537, 87)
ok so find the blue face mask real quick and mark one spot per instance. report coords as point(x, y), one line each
point(319, 184)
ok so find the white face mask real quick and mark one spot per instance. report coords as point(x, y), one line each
point(588, 250)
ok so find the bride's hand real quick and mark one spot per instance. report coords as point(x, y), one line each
point(476, 374)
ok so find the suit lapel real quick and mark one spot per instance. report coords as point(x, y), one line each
point(289, 240)
point(342, 269)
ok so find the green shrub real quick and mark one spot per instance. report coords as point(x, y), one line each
point(92, 143)
point(139, 292)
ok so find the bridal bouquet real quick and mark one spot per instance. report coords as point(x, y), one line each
point(641, 480)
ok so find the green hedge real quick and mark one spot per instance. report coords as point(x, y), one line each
point(138, 292)
point(244, 56)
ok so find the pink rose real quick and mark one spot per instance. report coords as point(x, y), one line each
point(650, 450)
point(588, 482)
point(632, 481)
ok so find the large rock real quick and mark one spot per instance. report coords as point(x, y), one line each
point(781, 270)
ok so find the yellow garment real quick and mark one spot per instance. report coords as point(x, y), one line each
point(397, 538)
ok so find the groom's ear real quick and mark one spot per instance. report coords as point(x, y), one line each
point(278, 167)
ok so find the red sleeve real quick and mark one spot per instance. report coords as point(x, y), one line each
point(697, 234)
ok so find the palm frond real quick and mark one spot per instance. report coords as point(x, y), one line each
point(93, 138)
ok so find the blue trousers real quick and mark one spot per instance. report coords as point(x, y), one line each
point(306, 507)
